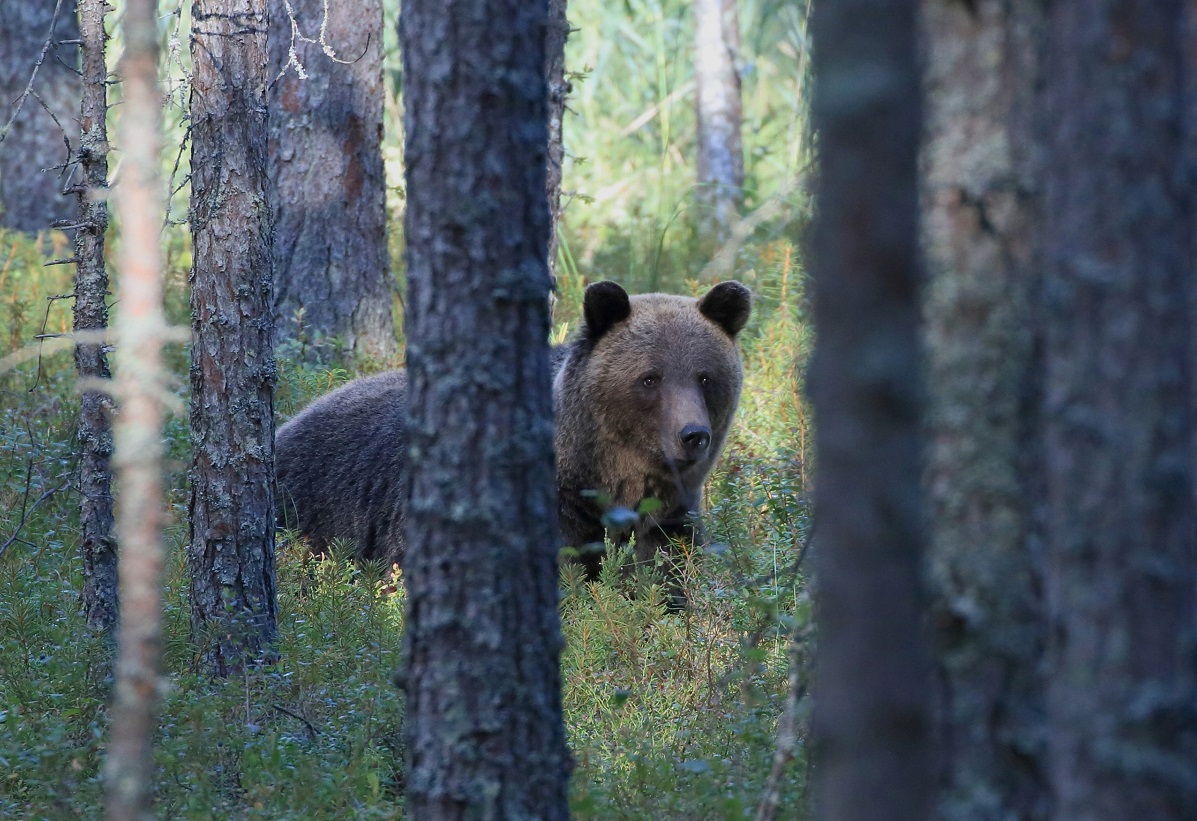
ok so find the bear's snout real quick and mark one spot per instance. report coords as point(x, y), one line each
point(695, 441)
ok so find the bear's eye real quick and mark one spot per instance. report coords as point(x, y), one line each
point(704, 380)
point(649, 381)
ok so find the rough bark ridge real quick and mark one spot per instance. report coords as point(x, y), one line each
point(718, 112)
point(328, 186)
point(129, 761)
point(484, 722)
point(231, 553)
point(1118, 424)
point(871, 718)
point(34, 151)
point(556, 34)
point(91, 314)
point(980, 206)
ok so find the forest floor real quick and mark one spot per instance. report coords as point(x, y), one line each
point(669, 716)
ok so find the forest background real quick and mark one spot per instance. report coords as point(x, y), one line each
point(1007, 572)
point(669, 716)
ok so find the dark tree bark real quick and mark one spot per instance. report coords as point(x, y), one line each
point(328, 186)
point(141, 382)
point(718, 113)
point(34, 150)
point(231, 553)
point(871, 708)
point(1118, 423)
point(980, 207)
point(91, 315)
point(556, 34)
point(484, 722)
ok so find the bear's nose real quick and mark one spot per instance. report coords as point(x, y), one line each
point(695, 440)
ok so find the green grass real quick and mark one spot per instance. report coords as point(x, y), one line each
point(669, 716)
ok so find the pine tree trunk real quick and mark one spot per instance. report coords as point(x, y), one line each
point(141, 382)
point(980, 206)
point(34, 151)
point(871, 693)
point(556, 34)
point(91, 314)
point(1117, 414)
point(718, 113)
point(231, 553)
point(484, 722)
point(328, 186)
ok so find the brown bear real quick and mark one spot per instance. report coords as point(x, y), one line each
point(643, 396)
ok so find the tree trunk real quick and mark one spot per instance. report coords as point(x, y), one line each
point(871, 716)
point(328, 192)
point(141, 383)
point(231, 554)
point(1118, 423)
point(556, 34)
point(91, 314)
point(980, 210)
point(718, 113)
point(38, 40)
point(484, 722)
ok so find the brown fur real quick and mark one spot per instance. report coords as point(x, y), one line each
point(341, 461)
point(620, 436)
point(341, 469)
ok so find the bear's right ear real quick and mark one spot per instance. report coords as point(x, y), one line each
point(605, 304)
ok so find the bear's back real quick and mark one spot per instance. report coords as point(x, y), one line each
point(340, 465)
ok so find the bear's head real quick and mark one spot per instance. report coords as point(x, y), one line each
point(650, 387)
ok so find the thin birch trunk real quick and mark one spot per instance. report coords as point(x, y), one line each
point(140, 383)
point(556, 34)
point(718, 113)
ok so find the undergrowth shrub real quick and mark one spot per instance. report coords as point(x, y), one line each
point(670, 716)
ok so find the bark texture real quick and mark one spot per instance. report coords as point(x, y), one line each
point(91, 314)
point(556, 34)
point(484, 722)
point(980, 207)
point(328, 186)
point(34, 150)
point(141, 382)
point(1118, 422)
point(231, 553)
point(718, 112)
point(871, 709)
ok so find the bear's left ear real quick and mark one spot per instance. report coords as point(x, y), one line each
point(727, 305)
point(605, 304)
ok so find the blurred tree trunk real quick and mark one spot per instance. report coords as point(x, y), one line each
point(141, 383)
point(231, 553)
point(556, 34)
point(91, 314)
point(980, 211)
point(484, 727)
point(34, 151)
point(871, 708)
point(328, 188)
point(1117, 413)
point(718, 113)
